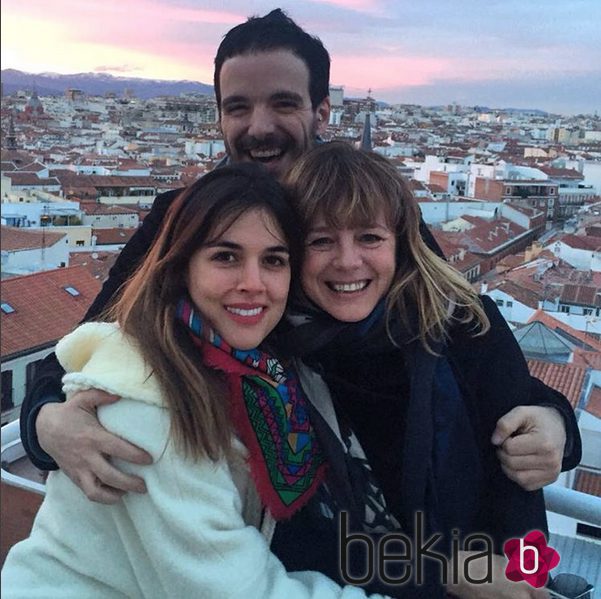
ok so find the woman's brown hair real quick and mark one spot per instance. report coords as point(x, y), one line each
point(146, 307)
point(347, 187)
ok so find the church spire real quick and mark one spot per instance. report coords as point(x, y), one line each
point(11, 138)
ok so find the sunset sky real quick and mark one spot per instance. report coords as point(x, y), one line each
point(500, 53)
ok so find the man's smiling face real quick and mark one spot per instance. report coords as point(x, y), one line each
point(266, 112)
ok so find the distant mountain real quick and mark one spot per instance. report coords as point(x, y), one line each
point(532, 111)
point(97, 84)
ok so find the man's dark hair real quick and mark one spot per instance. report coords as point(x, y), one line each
point(276, 31)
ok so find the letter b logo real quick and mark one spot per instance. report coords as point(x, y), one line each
point(528, 566)
point(530, 559)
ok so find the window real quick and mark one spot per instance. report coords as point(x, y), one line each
point(80, 243)
point(565, 309)
point(7, 390)
point(7, 308)
point(499, 302)
point(72, 291)
point(588, 311)
point(509, 304)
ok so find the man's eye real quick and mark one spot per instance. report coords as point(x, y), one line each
point(234, 109)
point(286, 105)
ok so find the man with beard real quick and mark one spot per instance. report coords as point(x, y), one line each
point(271, 84)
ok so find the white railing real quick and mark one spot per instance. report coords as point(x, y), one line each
point(12, 450)
point(574, 504)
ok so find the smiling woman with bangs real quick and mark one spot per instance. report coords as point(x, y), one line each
point(420, 367)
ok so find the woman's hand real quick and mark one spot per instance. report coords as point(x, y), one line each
point(71, 434)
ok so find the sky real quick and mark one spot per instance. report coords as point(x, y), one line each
point(542, 54)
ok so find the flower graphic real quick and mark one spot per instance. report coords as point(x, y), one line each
point(530, 559)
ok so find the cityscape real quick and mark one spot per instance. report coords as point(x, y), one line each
point(511, 195)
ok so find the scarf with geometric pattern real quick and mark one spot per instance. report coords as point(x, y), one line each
point(270, 415)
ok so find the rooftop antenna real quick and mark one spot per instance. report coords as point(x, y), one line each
point(44, 220)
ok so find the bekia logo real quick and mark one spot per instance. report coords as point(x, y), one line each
point(530, 559)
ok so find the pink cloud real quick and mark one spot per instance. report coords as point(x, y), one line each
point(202, 16)
point(358, 5)
point(380, 72)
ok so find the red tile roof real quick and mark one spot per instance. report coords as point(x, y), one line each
point(525, 295)
point(451, 249)
point(593, 231)
point(566, 378)
point(469, 261)
point(43, 311)
point(512, 260)
point(435, 188)
point(561, 173)
point(94, 208)
point(16, 157)
point(581, 295)
point(593, 405)
point(72, 180)
point(585, 358)
point(581, 242)
point(488, 236)
point(588, 482)
point(97, 263)
point(115, 236)
point(447, 245)
point(34, 167)
point(14, 239)
point(31, 179)
point(130, 163)
point(416, 185)
point(101, 181)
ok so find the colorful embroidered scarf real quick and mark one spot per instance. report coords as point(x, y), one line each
point(269, 411)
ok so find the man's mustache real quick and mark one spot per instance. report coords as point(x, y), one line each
point(249, 142)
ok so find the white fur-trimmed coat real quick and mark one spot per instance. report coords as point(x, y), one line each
point(194, 534)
